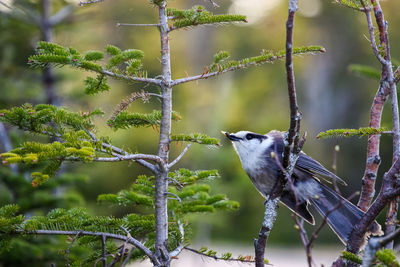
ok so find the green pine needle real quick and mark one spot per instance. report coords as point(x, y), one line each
point(195, 138)
point(350, 132)
point(125, 120)
point(197, 15)
point(221, 63)
point(96, 85)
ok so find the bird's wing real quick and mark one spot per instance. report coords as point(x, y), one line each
point(312, 166)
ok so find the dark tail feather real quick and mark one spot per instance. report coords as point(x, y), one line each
point(341, 214)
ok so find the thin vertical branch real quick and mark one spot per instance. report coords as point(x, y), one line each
point(292, 146)
point(161, 213)
point(271, 211)
point(103, 250)
point(388, 80)
point(294, 129)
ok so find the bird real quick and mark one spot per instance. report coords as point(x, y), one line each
point(259, 154)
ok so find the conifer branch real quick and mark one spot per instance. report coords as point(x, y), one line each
point(225, 257)
point(129, 100)
point(362, 131)
point(128, 238)
point(265, 57)
point(199, 16)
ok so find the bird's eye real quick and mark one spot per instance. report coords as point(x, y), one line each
point(250, 136)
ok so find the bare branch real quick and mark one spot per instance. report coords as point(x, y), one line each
point(178, 250)
point(218, 258)
point(138, 25)
point(372, 37)
point(215, 5)
point(61, 15)
point(179, 157)
point(131, 78)
point(103, 250)
point(215, 73)
point(127, 238)
point(387, 194)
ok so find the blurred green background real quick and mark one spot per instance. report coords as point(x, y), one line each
point(254, 99)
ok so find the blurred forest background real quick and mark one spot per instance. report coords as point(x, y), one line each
point(254, 99)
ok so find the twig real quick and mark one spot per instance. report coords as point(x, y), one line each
point(127, 238)
point(178, 250)
point(179, 157)
point(69, 247)
point(218, 258)
point(215, 73)
point(61, 15)
point(131, 78)
point(215, 5)
point(372, 37)
point(175, 196)
point(103, 250)
point(138, 25)
point(128, 256)
point(291, 147)
point(294, 129)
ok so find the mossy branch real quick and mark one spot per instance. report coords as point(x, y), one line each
point(352, 132)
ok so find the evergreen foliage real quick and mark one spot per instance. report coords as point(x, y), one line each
point(198, 15)
point(125, 120)
point(221, 62)
point(195, 138)
point(363, 131)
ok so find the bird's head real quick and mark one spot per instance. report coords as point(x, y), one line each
point(248, 143)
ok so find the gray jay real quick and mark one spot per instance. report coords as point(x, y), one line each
point(255, 153)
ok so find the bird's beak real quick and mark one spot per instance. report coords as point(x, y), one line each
point(231, 136)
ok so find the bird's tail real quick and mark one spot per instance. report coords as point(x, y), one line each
point(341, 214)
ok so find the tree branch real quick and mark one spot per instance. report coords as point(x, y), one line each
point(131, 78)
point(179, 157)
point(376, 243)
point(389, 190)
point(270, 214)
point(215, 73)
point(129, 239)
point(138, 25)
